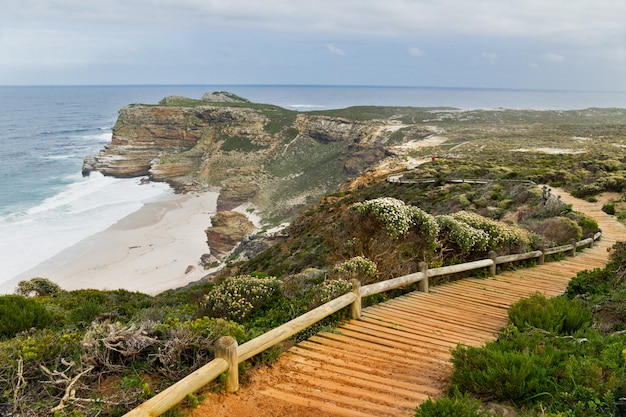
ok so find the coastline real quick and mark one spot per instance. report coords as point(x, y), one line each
point(151, 250)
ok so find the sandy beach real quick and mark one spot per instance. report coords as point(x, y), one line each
point(151, 250)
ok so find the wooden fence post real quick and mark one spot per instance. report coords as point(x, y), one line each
point(226, 348)
point(542, 258)
point(355, 307)
point(423, 284)
point(493, 255)
point(591, 235)
point(573, 243)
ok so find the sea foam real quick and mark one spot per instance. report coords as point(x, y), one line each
point(86, 206)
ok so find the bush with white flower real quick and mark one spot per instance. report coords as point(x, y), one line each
point(357, 266)
point(327, 291)
point(237, 297)
point(428, 226)
point(466, 237)
point(398, 218)
point(500, 234)
point(393, 213)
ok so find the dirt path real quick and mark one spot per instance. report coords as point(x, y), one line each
point(398, 354)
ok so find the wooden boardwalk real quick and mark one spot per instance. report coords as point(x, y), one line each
point(398, 354)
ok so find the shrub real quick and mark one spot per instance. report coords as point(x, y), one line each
point(398, 218)
point(236, 298)
point(557, 315)
point(78, 308)
point(18, 313)
point(393, 213)
point(618, 254)
point(590, 282)
point(37, 286)
point(461, 234)
point(328, 290)
point(503, 375)
point(458, 406)
point(501, 235)
point(609, 209)
point(356, 267)
point(558, 230)
point(587, 224)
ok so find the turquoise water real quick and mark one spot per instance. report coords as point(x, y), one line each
point(47, 206)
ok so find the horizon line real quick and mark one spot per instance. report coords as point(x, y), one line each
point(311, 86)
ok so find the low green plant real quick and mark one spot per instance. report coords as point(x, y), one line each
point(237, 298)
point(465, 237)
point(451, 407)
point(356, 267)
point(609, 208)
point(37, 286)
point(18, 313)
point(327, 291)
point(558, 315)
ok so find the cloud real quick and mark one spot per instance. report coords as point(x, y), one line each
point(51, 47)
point(552, 57)
point(416, 52)
point(335, 50)
point(490, 57)
point(583, 20)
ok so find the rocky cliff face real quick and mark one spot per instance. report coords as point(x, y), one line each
point(277, 159)
point(227, 229)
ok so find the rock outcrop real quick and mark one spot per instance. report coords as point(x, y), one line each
point(227, 229)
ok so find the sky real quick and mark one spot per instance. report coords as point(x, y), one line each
point(512, 44)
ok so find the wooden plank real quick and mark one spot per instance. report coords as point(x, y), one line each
point(319, 404)
point(424, 352)
point(371, 354)
point(438, 332)
point(375, 366)
point(393, 335)
point(343, 399)
point(448, 314)
point(395, 344)
point(426, 365)
point(417, 381)
point(400, 322)
point(365, 398)
point(366, 381)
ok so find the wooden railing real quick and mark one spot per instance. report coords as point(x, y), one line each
point(228, 354)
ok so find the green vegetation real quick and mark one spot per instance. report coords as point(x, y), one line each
point(18, 313)
point(563, 356)
point(456, 405)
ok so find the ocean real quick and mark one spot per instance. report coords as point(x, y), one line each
point(45, 132)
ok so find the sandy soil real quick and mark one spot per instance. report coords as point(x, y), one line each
point(152, 250)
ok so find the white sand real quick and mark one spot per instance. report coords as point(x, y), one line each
point(152, 250)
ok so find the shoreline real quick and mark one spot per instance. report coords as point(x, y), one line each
point(154, 249)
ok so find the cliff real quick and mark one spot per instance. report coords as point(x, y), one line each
point(279, 160)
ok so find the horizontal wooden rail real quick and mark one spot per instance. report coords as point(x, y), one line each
point(585, 242)
point(391, 284)
point(455, 269)
point(174, 394)
point(518, 257)
point(167, 399)
point(557, 249)
point(285, 331)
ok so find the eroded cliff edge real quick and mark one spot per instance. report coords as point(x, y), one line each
point(277, 159)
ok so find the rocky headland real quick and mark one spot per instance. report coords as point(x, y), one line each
point(277, 160)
